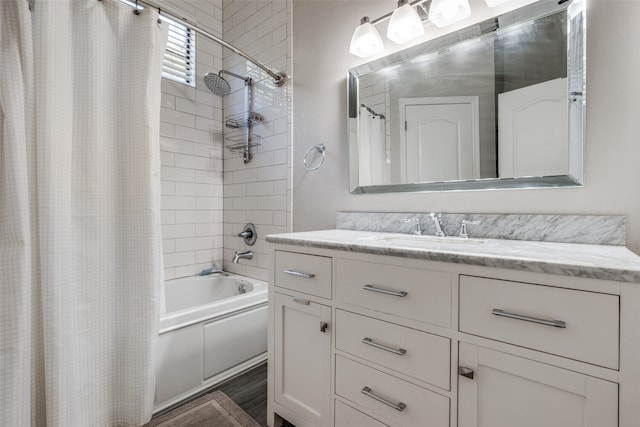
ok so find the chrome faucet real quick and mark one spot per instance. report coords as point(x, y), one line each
point(237, 256)
point(463, 228)
point(418, 229)
point(437, 220)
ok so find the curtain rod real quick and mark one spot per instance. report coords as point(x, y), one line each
point(280, 78)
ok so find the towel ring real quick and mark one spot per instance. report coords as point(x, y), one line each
point(321, 149)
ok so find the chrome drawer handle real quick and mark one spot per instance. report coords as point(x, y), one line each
point(372, 343)
point(301, 301)
point(397, 406)
point(554, 323)
point(300, 274)
point(372, 288)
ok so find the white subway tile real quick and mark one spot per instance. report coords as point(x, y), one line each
point(247, 175)
point(209, 203)
point(178, 203)
point(263, 188)
point(178, 259)
point(191, 107)
point(199, 190)
point(173, 145)
point(167, 217)
point(168, 173)
point(194, 217)
point(260, 217)
point(177, 118)
point(212, 176)
point(176, 231)
point(167, 130)
point(167, 188)
point(272, 202)
point(168, 246)
point(189, 133)
point(167, 159)
point(245, 203)
point(272, 173)
point(194, 244)
point(280, 218)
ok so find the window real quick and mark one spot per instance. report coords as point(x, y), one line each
point(179, 58)
point(179, 63)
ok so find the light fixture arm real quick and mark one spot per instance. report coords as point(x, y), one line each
point(388, 15)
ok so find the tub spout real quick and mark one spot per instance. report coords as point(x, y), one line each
point(237, 256)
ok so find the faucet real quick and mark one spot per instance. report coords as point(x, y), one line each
point(418, 230)
point(463, 228)
point(437, 220)
point(237, 256)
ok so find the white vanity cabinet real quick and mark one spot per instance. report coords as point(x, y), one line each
point(415, 343)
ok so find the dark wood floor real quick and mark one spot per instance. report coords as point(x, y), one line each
point(248, 391)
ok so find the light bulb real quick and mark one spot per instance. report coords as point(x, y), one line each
point(446, 12)
point(365, 41)
point(494, 3)
point(405, 24)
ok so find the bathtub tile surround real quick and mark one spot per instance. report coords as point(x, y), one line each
point(192, 165)
point(589, 229)
point(260, 191)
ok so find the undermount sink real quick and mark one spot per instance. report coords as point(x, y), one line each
point(422, 239)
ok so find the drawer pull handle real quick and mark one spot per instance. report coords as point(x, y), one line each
point(323, 326)
point(463, 371)
point(554, 323)
point(372, 288)
point(301, 301)
point(372, 343)
point(397, 406)
point(300, 274)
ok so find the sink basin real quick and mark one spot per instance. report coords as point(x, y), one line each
point(413, 239)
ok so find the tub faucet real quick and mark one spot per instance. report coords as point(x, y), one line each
point(237, 256)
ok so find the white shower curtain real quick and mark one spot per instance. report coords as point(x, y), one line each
point(372, 151)
point(80, 237)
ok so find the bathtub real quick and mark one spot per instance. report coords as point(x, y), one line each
point(214, 327)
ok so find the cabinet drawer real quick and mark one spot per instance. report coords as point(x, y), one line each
point(346, 416)
point(310, 274)
point(532, 316)
point(417, 354)
point(411, 293)
point(414, 406)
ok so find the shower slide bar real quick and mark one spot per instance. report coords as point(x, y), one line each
point(279, 78)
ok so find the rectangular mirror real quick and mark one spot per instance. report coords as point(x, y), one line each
point(499, 104)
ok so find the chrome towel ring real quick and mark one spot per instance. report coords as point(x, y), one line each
point(321, 149)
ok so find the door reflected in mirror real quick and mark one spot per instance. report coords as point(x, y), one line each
point(499, 104)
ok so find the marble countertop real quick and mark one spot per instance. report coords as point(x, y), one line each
point(606, 262)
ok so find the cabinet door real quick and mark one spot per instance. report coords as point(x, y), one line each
point(302, 358)
point(508, 391)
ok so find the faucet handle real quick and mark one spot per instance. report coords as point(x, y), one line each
point(463, 228)
point(418, 229)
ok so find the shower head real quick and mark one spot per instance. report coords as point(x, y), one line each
point(218, 85)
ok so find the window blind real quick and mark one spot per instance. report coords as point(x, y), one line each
point(179, 56)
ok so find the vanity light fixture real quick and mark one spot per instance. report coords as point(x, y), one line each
point(494, 3)
point(405, 23)
point(446, 12)
point(366, 40)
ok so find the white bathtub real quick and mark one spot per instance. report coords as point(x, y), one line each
point(211, 331)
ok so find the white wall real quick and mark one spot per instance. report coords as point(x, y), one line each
point(321, 36)
point(191, 150)
point(258, 192)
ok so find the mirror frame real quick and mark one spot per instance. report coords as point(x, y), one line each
point(576, 78)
